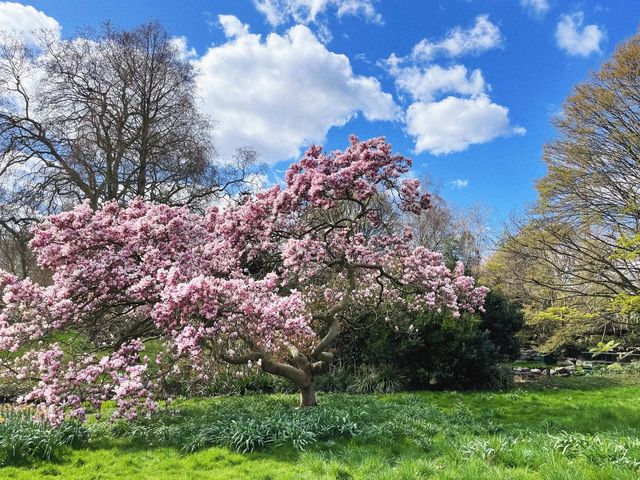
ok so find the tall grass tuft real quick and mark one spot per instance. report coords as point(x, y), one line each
point(24, 437)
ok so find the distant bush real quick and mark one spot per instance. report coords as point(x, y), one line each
point(502, 318)
point(454, 353)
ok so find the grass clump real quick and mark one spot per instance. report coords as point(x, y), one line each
point(23, 437)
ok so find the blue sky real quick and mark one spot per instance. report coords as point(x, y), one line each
point(467, 88)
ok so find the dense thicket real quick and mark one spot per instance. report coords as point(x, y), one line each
point(438, 351)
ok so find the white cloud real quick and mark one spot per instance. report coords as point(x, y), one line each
point(452, 124)
point(537, 7)
point(283, 92)
point(459, 183)
point(451, 109)
point(182, 45)
point(232, 26)
point(278, 12)
point(576, 39)
point(425, 83)
point(26, 21)
point(484, 35)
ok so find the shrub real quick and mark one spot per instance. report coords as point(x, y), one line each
point(377, 379)
point(441, 351)
point(338, 378)
point(500, 377)
point(225, 380)
point(502, 318)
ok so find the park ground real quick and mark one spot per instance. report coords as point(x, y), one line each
point(559, 428)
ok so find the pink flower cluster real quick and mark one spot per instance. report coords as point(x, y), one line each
point(244, 282)
point(65, 386)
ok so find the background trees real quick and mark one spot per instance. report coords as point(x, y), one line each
point(107, 116)
point(459, 234)
point(574, 256)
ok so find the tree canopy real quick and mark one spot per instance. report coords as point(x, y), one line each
point(265, 282)
point(577, 249)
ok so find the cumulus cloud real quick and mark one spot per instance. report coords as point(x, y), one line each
point(425, 83)
point(25, 21)
point(460, 183)
point(576, 39)
point(450, 108)
point(280, 93)
point(484, 35)
point(536, 7)
point(232, 26)
point(278, 12)
point(452, 124)
point(182, 45)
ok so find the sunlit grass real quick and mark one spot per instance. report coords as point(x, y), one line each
point(566, 428)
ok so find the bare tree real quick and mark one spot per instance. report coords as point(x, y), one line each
point(459, 234)
point(109, 115)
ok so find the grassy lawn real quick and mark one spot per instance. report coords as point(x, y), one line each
point(559, 428)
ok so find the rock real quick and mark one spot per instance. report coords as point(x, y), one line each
point(537, 371)
point(565, 363)
point(529, 355)
point(584, 364)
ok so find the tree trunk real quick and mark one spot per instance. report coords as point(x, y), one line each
point(308, 395)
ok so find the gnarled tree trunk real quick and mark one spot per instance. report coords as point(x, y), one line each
point(308, 395)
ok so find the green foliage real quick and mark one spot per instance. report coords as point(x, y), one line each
point(502, 318)
point(603, 347)
point(628, 247)
point(500, 377)
point(377, 379)
point(626, 305)
point(244, 425)
point(597, 449)
point(338, 378)
point(453, 353)
point(255, 423)
point(563, 330)
point(440, 351)
point(226, 380)
point(25, 438)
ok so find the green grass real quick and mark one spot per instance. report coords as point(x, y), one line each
point(565, 428)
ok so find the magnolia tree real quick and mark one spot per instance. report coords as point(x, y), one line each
point(264, 282)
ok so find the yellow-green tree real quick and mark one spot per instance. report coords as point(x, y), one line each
point(578, 250)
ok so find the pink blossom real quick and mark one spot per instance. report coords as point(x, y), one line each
point(252, 282)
